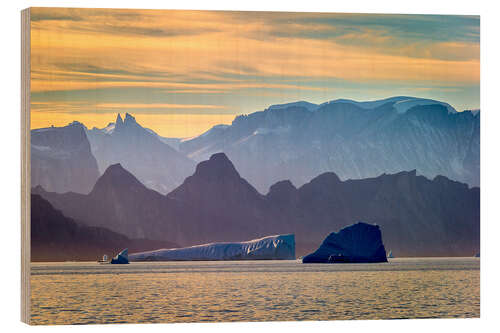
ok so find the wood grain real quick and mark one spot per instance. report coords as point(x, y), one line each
point(25, 163)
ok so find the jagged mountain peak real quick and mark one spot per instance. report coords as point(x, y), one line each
point(119, 120)
point(127, 123)
point(129, 118)
point(144, 153)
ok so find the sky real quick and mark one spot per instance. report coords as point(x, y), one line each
point(182, 72)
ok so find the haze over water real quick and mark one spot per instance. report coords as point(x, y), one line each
point(167, 292)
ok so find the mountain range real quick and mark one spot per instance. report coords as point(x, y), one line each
point(147, 155)
point(295, 141)
point(417, 216)
point(356, 140)
point(408, 164)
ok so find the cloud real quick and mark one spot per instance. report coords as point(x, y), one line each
point(72, 107)
point(118, 22)
point(404, 26)
point(199, 53)
point(158, 106)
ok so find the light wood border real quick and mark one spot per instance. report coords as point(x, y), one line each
point(25, 165)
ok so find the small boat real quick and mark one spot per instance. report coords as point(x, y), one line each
point(104, 260)
point(390, 255)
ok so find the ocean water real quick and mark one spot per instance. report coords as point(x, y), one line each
point(168, 292)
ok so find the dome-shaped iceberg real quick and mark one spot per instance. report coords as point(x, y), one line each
point(357, 243)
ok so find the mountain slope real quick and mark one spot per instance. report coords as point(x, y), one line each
point(140, 151)
point(418, 216)
point(215, 204)
point(353, 139)
point(61, 159)
point(119, 202)
point(55, 237)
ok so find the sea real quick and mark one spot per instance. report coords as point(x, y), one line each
point(226, 291)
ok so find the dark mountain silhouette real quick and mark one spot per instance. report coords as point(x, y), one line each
point(222, 205)
point(61, 160)
point(55, 237)
point(417, 216)
point(142, 152)
point(217, 188)
point(298, 141)
point(119, 202)
point(215, 204)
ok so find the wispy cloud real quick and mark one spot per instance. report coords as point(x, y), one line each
point(242, 61)
point(159, 106)
point(119, 22)
point(61, 106)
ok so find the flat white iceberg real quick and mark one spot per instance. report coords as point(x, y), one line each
point(279, 247)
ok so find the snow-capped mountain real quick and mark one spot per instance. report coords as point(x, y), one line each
point(355, 140)
point(401, 103)
point(304, 104)
point(140, 150)
point(61, 160)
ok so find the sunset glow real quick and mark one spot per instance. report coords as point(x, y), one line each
point(205, 67)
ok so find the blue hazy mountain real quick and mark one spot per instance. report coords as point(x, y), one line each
point(298, 141)
point(61, 159)
point(147, 155)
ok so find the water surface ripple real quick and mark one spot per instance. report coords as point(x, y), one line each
point(86, 293)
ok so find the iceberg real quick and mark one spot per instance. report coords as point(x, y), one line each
point(121, 258)
point(357, 243)
point(279, 247)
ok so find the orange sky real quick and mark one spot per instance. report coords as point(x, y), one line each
point(170, 125)
point(204, 67)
